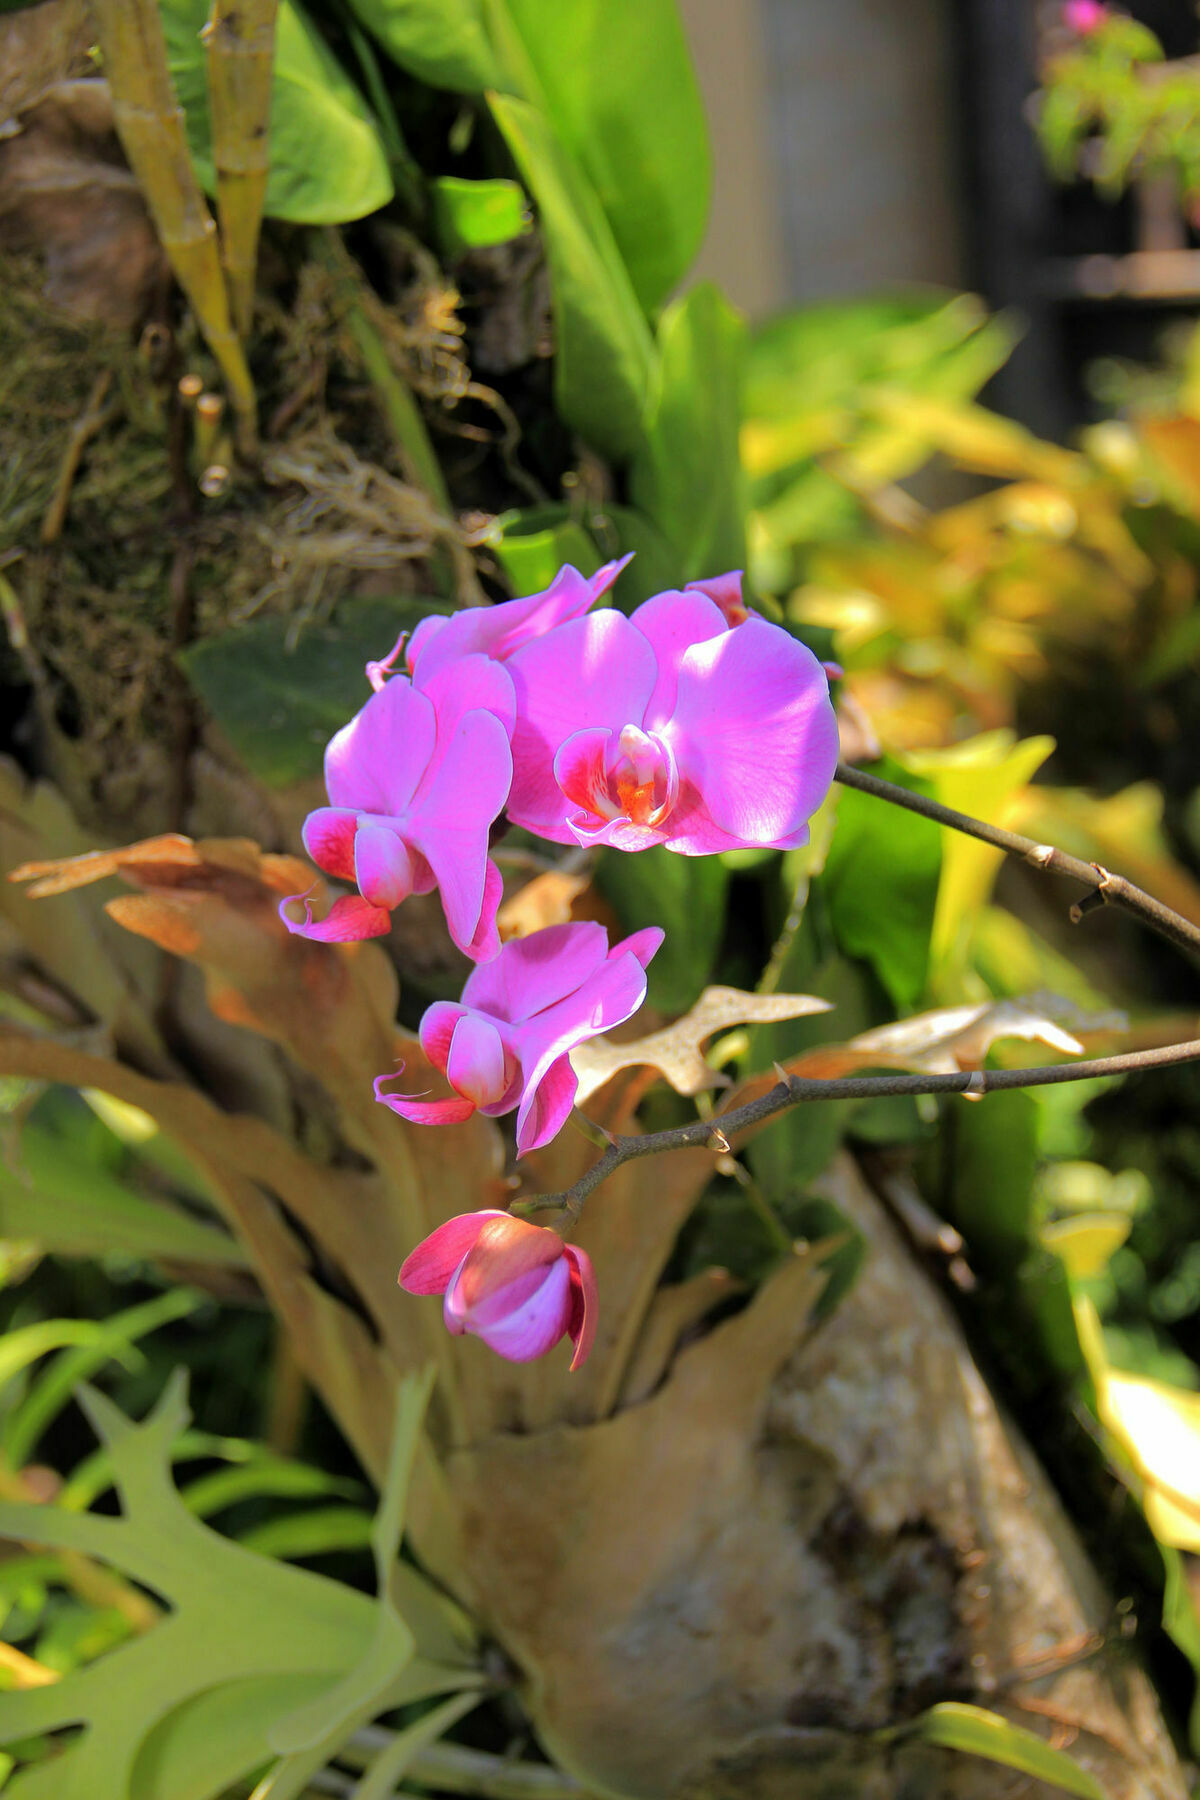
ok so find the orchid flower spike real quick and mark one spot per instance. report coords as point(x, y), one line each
point(671, 727)
point(415, 781)
point(1084, 16)
point(507, 1043)
point(515, 1285)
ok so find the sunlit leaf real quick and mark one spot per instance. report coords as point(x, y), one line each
point(881, 885)
point(533, 544)
point(328, 163)
point(675, 1051)
point(474, 215)
point(957, 1726)
point(444, 42)
point(1086, 1243)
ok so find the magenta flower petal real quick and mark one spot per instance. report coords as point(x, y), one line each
point(433, 1262)
point(469, 684)
point(726, 592)
point(423, 1112)
point(642, 945)
point(374, 763)
point(754, 730)
point(382, 865)
point(348, 920)
point(497, 631)
point(522, 1320)
point(476, 1066)
point(537, 971)
point(546, 1106)
point(581, 1326)
point(455, 816)
point(581, 774)
point(670, 623)
point(437, 1029)
point(486, 942)
point(597, 671)
point(328, 835)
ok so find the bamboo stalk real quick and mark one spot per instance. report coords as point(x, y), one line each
point(240, 41)
point(150, 126)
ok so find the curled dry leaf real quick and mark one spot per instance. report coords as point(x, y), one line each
point(546, 900)
point(675, 1051)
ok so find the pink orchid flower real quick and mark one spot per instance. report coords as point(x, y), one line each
point(415, 781)
point(1084, 16)
point(724, 591)
point(670, 727)
point(507, 1043)
point(515, 1285)
point(497, 631)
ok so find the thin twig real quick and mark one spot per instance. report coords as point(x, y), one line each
point(1105, 889)
point(794, 1090)
point(91, 420)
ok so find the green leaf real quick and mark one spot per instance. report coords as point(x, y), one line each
point(55, 1386)
point(328, 162)
point(65, 1203)
point(318, 1531)
point(685, 895)
point(533, 545)
point(616, 79)
point(473, 215)
point(444, 42)
point(266, 1638)
point(995, 1157)
point(881, 886)
point(279, 705)
point(261, 1475)
point(605, 362)
point(688, 478)
point(956, 1726)
point(656, 564)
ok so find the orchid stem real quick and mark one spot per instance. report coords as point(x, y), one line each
point(1104, 889)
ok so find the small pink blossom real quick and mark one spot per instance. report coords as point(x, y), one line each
point(724, 591)
point(671, 727)
point(497, 631)
point(515, 1285)
point(507, 1043)
point(415, 781)
point(1084, 16)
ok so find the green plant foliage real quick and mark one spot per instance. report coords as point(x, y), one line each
point(604, 369)
point(617, 83)
point(473, 215)
point(444, 42)
point(61, 1197)
point(248, 1640)
point(995, 1156)
point(279, 703)
point(688, 477)
point(328, 161)
point(956, 1726)
point(683, 894)
point(534, 543)
point(881, 883)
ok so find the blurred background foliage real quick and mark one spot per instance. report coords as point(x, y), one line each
point(471, 359)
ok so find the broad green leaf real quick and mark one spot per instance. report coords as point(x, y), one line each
point(604, 368)
point(444, 42)
point(956, 1726)
point(55, 1386)
point(267, 1638)
point(685, 895)
point(1158, 1427)
point(994, 1160)
point(617, 81)
point(533, 545)
point(1182, 1625)
point(328, 163)
point(881, 886)
point(688, 477)
point(279, 705)
point(656, 564)
point(983, 776)
point(473, 215)
point(67, 1204)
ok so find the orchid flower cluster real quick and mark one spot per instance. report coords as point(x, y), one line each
point(693, 724)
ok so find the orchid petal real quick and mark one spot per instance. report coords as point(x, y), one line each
point(585, 1300)
point(546, 1106)
point(534, 972)
point(374, 763)
point(724, 591)
point(436, 1030)
point(328, 835)
point(754, 731)
point(475, 1066)
point(597, 671)
point(425, 1112)
point(382, 866)
point(468, 684)
point(456, 813)
point(670, 624)
point(348, 920)
point(581, 773)
point(486, 942)
point(527, 1320)
point(430, 1266)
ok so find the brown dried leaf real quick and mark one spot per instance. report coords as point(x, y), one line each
point(546, 900)
point(675, 1051)
point(66, 190)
